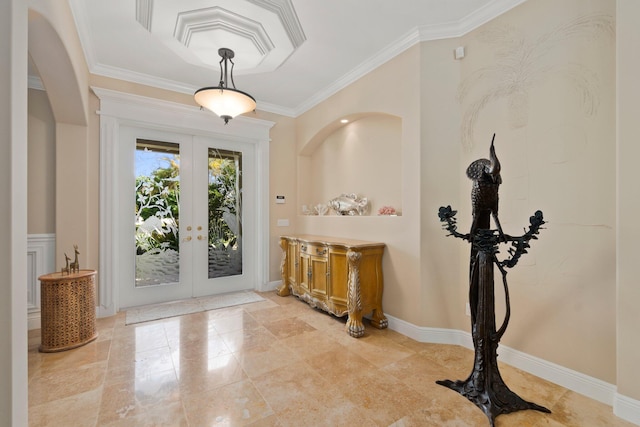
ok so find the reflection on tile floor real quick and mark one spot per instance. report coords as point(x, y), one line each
point(272, 363)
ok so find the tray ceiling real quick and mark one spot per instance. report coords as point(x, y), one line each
point(289, 54)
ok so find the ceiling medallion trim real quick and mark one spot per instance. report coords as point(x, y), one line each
point(144, 11)
point(286, 13)
point(216, 18)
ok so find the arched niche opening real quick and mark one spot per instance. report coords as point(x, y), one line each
point(59, 78)
point(362, 156)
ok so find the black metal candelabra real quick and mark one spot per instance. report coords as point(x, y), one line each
point(485, 386)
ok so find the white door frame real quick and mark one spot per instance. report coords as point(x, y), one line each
point(121, 109)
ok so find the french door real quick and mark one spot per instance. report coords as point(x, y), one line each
point(188, 209)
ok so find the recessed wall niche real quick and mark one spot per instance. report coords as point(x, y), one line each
point(363, 156)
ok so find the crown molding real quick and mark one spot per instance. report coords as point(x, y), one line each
point(425, 33)
point(275, 109)
point(486, 13)
point(166, 84)
point(412, 37)
point(143, 79)
point(386, 54)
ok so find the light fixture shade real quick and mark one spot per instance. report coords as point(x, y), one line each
point(226, 103)
point(223, 100)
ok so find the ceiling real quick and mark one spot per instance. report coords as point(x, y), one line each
point(290, 54)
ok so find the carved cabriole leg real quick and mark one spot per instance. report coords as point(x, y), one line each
point(283, 290)
point(355, 328)
point(378, 319)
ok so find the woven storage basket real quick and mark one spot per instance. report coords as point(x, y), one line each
point(68, 310)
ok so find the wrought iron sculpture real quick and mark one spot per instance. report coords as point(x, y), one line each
point(485, 387)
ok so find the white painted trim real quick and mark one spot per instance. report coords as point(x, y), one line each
point(108, 291)
point(41, 250)
point(122, 109)
point(580, 383)
point(568, 378)
point(485, 14)
point(413, 36)
point(271, 286)
point(626, 408)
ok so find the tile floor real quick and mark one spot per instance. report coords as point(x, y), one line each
point(272, 363)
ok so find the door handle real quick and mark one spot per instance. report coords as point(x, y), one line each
point(200, 237)
point(187, 239)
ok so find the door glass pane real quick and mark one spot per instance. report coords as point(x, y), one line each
point(157, 169)
point(225, 213)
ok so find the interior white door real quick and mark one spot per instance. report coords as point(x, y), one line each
point(170, 246)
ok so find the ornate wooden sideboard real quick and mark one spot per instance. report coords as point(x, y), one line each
point(339, 276)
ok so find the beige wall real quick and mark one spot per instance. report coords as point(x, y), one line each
point(282, 169)
point(401, 234)
point(628, 315)
point(545, 84)
point(555, 122)
point(41, 198)
point(444, 288)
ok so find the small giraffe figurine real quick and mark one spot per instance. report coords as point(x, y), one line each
point(75, 265)
point(66, 269)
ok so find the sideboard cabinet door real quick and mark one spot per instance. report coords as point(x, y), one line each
point(339, 276)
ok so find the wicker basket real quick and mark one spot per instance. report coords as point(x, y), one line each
point(68, 310)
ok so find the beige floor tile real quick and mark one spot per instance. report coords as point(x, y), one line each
point(261, 359)
point(274, 363)
point(310, 343)
point(238, 321)
point(243, 340)
point(350, 366)
point(64, 383)
point(96, 351)
point(160, 415)
point(574, 409)
point(200, 375)
point(285, 328)
point(383, 397)
point(128, 399)
point(235, 404)
point(76, 410)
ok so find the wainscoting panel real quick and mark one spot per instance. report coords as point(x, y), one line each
point(41, 251)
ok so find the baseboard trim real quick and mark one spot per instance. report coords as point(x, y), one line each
point(33, 320)
point(270, 286)
point(591, 387)
point(627, 408)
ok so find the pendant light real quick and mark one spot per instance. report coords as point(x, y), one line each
point(226, 102)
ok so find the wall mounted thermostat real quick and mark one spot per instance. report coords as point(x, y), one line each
point(280, 200)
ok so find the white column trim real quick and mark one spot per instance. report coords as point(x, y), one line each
point(41, 252)
point(108, 262)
